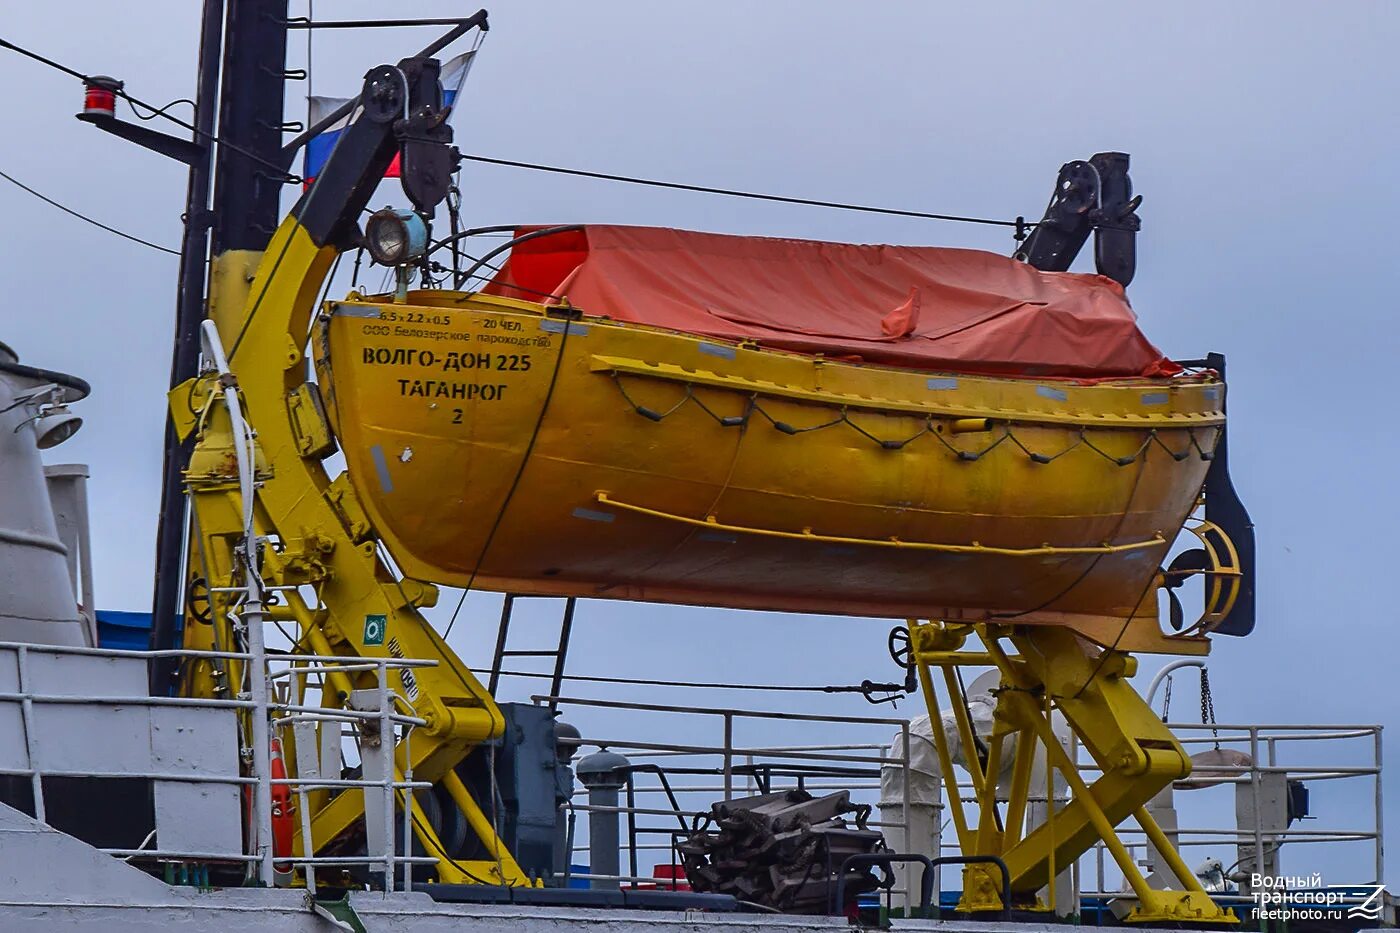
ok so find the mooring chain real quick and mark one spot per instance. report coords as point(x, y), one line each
point(1207, 706)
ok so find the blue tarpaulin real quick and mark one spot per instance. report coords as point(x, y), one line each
point(124, 631)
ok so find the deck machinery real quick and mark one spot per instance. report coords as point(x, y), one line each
point(273, 538)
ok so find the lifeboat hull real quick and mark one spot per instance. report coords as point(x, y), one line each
point(499, 446)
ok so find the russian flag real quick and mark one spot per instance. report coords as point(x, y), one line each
point(318, 148)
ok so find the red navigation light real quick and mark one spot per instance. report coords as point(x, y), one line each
point(100, 97)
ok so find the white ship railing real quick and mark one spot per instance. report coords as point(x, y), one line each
point(855, 767)
point(296, 668)
point(724, 756)
point(1263, 743)
point(730, 765)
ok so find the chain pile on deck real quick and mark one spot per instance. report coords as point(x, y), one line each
point(783, 850)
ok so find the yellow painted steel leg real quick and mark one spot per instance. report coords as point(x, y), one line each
point(929, 641)
point(1184, 876)
point(945, 759)
point(1137, 755)
point(989, 834)
point(1020, 786)
point(965, 733)
point(1085, 812)
point(1085, 797)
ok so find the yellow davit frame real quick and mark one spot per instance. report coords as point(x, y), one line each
point(321, 542)
point(1054, 670)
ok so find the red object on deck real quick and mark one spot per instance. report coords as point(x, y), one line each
point(283, 827)
point(921, 307)
point(670, 877)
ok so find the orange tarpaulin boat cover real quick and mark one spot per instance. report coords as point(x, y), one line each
point(914, 306)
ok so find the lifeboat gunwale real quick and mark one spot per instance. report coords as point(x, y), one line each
point(1047, 404)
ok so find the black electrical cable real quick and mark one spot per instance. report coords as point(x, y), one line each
point(86, 219)
point(471, 232)
point(515, 483)
point(511, 244)
point(1018, 223)
point(282, 173)
point(1103, 656)
point(752, 195)
point(524, 289)
point(5, 43)
point(157, 113)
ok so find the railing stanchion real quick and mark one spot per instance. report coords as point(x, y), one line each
point(304, 808)
point(408, 806)
point(31, 745)
point(728, 755)
point(386, 754)
point(1254, 788)
point(261, 737)
point(1380, 817)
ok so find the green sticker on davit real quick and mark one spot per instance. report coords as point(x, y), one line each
point(374, 630)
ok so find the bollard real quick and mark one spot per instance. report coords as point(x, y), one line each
point(604, 773)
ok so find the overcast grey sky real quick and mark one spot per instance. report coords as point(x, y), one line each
point(1264, 142)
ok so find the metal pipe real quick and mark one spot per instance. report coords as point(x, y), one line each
point(907, 814)
point(348, 782)
point(719, 749)
point(243, 656)
point(307, 840)
point(408, 808)
point(304, 23)
point(252, 614)
point(1254, 788)
point(184, 363)
point(1166, 671)
point(262, 751)
point(386, 754)
point(184, 776)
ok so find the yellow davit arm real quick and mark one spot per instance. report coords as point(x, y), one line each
point(317, 535)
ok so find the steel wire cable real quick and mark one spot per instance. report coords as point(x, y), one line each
point(85, 218)
point(162, 112)
point(1019, 223)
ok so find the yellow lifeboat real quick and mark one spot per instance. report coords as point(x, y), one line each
point(533, 447)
